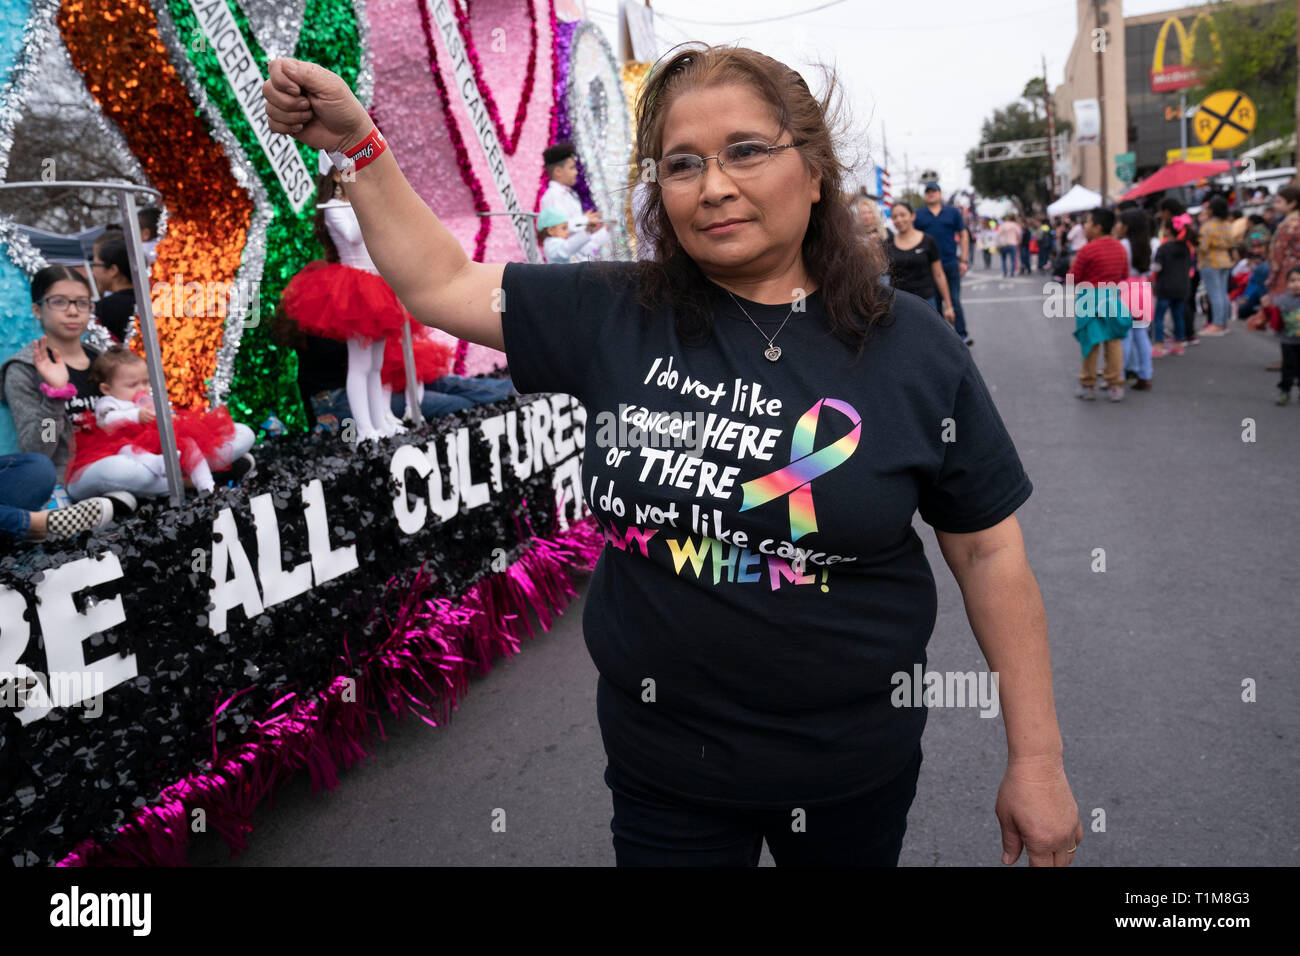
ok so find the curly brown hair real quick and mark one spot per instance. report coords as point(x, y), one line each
point(846, 269)
point(109, 361)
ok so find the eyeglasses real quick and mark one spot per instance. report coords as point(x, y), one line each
point(740, 160)
point(61, 302)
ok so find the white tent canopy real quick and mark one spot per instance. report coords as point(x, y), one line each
point(1078, 199)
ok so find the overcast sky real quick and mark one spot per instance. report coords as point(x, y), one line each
point(927, 73)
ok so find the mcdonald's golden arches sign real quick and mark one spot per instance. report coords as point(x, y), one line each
point(1166, 78)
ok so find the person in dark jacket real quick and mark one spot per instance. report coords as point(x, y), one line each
point(112, 270)
point(1172, 268)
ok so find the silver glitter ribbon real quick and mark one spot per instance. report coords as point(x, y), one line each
point(600, 129)
point(249, 274)
point(366, 71)
point(20, 251)
point(276, 24)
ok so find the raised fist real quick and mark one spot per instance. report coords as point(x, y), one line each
point(314, 106)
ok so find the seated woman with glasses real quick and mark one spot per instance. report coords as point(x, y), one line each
point(47, 383)
point(766, 588)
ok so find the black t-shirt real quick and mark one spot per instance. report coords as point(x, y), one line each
point(1173, 278)
point(771, 683)
point(909, 269)
point(86, 393)
point(114, 312)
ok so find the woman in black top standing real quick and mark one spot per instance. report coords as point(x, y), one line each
point(763, 590)
point(914, 264)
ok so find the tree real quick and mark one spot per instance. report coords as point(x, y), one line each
point(57, 121)
point(912, 198)
point(1035, 90)
point(1021, 179)
point(1258, 45)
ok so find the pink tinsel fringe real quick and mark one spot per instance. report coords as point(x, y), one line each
point(435, 645)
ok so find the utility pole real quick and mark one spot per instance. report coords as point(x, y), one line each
point(1101, 96)
point(1051, 135)
point(884, 149)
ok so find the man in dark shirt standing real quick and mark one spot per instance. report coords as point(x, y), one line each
point(944, 224)
point(1101, 263)
point(112, 270)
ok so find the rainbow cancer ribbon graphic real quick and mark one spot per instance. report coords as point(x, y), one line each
point(795, 479)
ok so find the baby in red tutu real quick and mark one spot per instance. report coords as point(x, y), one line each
point(120, 446)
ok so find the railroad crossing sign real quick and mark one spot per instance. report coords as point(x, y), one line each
point(1225, 119)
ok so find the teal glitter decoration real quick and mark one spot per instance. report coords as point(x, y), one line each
point(19, 328)
point(265, 373)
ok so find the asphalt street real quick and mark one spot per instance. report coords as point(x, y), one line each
point(1170, 766)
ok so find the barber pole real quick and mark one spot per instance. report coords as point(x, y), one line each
point(882, 189)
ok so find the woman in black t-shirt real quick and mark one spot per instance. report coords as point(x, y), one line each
point(914, 263)
point(759, 620)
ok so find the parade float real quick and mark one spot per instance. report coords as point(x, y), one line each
point(167, 673)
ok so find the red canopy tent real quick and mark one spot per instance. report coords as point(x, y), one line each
point(1176, 174)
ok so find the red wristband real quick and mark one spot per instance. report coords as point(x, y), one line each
point(361, 155)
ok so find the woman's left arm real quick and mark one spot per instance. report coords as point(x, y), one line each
point(1035, 807)
point(941, 284)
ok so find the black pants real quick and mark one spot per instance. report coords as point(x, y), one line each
point(652, 829)
point(1189, 310)
point(1290, 366)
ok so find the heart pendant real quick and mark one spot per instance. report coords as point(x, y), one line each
point(773, 353)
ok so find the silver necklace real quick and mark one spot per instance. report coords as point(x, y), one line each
point(773, 352)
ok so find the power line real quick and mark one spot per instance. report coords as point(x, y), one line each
point(935, 27)
point(745, 23)
point(667, 42)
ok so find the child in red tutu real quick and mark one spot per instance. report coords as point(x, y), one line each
point(343, 297)
point(120, 445)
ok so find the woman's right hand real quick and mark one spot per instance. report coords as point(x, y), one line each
point(314, 106)
point(54, 371)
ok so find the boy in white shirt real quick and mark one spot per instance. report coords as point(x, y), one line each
point(562, 170)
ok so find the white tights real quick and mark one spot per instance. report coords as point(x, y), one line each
point(366, 393)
